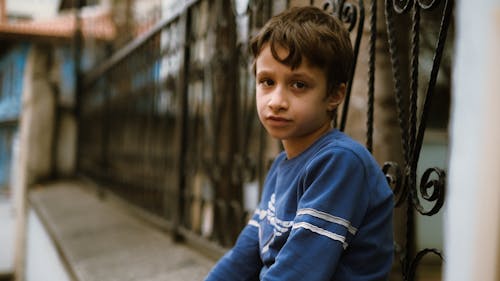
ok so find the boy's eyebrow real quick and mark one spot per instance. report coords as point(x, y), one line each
point(264, 73)
point(294, 74)
point(301, 75)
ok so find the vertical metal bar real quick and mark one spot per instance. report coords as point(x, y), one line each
point(357, 42)
point(409, 250)
point(411, 173)
point(396, 74)
point(445, 23)
point(371, 76)
point(182, 129)
point(415, 38)
point(106, 116)
point(77, 50)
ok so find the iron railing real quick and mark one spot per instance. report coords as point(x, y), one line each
point(431, 187)
point(169, 123)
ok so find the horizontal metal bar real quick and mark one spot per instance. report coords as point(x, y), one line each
point(135, 44)
point(9, 122)
point(203, 245)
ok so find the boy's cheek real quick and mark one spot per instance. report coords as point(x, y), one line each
point(259, 101)
point(260, 112)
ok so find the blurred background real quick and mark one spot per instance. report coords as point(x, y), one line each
point(150, 104)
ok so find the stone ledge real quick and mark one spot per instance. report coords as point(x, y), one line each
point(99, 241)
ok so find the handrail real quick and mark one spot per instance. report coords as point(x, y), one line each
point(125, 51)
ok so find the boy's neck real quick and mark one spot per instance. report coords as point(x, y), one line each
point(294, 147)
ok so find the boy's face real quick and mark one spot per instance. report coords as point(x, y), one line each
point(292, 105)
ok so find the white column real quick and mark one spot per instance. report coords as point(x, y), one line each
point(36, 128)
point(472, 223)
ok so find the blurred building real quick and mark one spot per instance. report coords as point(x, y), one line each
point(37, 85)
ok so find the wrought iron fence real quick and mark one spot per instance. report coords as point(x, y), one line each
point(431, 186)
point(168, 122)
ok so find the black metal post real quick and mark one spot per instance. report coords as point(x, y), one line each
point(77, 55)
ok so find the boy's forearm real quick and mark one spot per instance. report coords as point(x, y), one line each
point(242, 262)
point(313, 258)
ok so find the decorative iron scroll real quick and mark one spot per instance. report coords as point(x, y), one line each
point(404, 180)
point(353, 15)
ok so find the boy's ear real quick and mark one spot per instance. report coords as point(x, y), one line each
point(336, 98)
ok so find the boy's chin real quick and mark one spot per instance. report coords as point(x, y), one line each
point(277, 135)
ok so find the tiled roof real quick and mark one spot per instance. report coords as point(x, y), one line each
point(97, 24)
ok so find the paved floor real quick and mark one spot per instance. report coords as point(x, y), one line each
point(99, 241)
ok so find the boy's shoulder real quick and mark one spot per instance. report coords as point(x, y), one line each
point(334, 146)
point(338, 149)
point(336, 142)
point(342, 154)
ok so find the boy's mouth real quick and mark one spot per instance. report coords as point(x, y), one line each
point(277, 120)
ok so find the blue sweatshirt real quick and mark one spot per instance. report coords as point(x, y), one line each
point(325, 214)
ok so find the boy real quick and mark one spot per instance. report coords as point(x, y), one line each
point(326, 208)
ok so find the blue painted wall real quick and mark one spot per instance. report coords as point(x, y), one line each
point(12, 65)
point(67, 81)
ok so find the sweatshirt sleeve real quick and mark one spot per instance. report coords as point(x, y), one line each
point(242, 262)
point(329, 212)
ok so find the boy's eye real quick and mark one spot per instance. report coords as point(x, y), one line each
point(299, 85)
point(266, 82)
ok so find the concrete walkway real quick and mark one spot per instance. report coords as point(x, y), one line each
point(100, 241)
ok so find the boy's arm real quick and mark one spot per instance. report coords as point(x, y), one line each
point(329, 212)
point(242, 262)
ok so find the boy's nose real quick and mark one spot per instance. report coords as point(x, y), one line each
point(278, 101)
